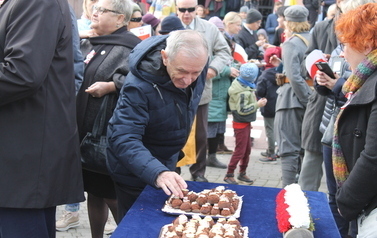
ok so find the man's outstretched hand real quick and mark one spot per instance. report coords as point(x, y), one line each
point(171, 183)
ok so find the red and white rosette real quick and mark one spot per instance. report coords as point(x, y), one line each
point(292, 210)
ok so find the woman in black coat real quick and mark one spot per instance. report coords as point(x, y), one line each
point(355, 132)
point(106, 67)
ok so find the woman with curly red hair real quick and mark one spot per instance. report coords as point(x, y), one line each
point(355, 132)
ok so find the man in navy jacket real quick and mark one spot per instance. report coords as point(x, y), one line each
point(153, 117)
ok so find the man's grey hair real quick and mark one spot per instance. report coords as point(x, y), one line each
point(190, 42)
point(179, 1)
point(348, 5)
point(124, 7)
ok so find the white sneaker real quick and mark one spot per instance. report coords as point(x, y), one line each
point(68, 220)
point(109, 226)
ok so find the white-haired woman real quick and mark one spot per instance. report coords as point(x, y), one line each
point(106, 64)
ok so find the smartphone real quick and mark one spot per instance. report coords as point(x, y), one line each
point(325, 67)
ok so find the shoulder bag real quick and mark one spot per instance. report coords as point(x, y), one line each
point(93, 146)
point(327, 137)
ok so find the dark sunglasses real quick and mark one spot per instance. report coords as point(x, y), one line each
point(136, 19)
point(189, 9)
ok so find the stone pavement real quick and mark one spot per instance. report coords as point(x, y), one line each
point(264, 175)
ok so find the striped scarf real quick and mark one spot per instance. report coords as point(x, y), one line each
point(350, 87)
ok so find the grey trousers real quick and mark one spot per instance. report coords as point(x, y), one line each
point(269, 128)
point(311, 171)
point(287, 128)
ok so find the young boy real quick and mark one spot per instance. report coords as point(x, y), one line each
point(243, 104)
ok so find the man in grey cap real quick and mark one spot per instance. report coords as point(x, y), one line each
point(293, 94)
point(247, 36)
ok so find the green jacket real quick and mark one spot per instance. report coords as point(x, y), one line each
point(217, 111)
point(242, 102)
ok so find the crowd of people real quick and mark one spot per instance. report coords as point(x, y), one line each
point(163, 102)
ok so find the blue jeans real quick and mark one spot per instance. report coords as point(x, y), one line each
point(74, 207)
point(342, 224)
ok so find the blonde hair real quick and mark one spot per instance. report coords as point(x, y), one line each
point(87, 12)
point(232, 17)
point(298, 26)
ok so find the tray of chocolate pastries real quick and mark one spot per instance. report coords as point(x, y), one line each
point(204, 227)
point(217, 203)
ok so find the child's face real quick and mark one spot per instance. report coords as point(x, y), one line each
point(200, 11)
point(261, 37)
point(243, 15)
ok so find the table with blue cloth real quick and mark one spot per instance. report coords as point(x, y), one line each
point(145, 218)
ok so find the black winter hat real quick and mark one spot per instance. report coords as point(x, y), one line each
point(253, 16)
point(169, 24)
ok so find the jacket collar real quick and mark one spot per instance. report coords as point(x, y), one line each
point(367, 93)
point(116, 38)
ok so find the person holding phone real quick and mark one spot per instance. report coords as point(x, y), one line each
point(354, 142)
point(325, 67)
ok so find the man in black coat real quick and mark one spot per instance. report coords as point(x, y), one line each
point(247, 37)
point(40, 165)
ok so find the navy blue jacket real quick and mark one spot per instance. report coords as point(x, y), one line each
point(152, 120)
point(270, 27)
point(266, 88)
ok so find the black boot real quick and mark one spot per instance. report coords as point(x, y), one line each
point(222, 149)
point(212, 161)
point(243, 177)
point(229, 178)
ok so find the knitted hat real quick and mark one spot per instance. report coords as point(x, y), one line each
point(169, 24)
point(263, 32)
point(253, 16)
point(249, 72)
point(296, 13)
point(217, 22)
point(244, 9)
point(150, 19)
point(269, 53)
point(135, 8)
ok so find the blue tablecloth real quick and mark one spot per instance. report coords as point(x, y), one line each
point(145, 218)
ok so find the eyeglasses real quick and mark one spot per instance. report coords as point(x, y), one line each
point(136, 19)
point(189, 9)
point(102, 10)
